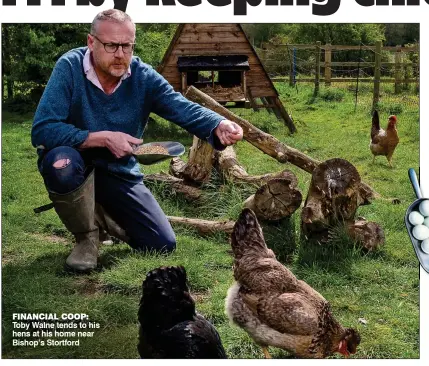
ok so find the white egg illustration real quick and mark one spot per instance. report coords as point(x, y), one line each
point(415, 218)
point(421, 232)
point(426, 221)
point(425, 246)
point(424, 208)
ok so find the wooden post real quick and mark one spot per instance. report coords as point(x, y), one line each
point(407, 75)
point(317, 77)
point(398, 57)
point(292, 67)
point(377, 75)
point(328, 58)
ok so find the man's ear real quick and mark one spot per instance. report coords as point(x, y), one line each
point(90, 42)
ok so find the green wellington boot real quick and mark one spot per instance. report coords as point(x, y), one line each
point(77, 212)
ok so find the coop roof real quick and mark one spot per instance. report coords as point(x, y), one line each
point(207, 63)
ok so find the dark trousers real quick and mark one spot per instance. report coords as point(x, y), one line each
point(131, 205)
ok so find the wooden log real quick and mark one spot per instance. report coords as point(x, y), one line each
point(204, 227)
point(368, 234)
point(176, 168)
point(176, 184)
point(228, 165)
point(275, 200)
point(333, 197)
point(199, 166)
point(268, 143)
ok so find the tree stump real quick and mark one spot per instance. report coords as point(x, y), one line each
point(276, 199)
point(200, 162)
point(333, 197)
point(227, 164)
point(177, 166)
point(367, 234)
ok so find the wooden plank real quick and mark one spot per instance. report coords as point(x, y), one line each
point(192, 28)
point(328, 60)
point(251, 99)
point(276, 111)
point(253, 61)
point(377, 75)
point(258, 92)
point(228, 37)
point(317, 76)
point(288, 121)
point(398, 57)
point(214, 45)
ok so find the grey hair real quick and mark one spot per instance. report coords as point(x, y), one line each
point(111, 15)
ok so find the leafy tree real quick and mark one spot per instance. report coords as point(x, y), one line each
point(29, 52)
point(152, 41)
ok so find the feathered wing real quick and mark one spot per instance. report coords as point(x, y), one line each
point(375, 129)
point(286, 313)
point(194, 339)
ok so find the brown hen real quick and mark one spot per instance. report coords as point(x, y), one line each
point(383, 142)
point(274, 307)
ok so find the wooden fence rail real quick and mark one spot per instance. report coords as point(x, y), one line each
point(401, 69)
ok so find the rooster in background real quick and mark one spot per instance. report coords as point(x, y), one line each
point(383, 142)
point(276, 308)
point(169, 325)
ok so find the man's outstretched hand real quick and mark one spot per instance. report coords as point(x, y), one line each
point(228, 132)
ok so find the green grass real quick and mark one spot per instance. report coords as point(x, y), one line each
point(381, 287)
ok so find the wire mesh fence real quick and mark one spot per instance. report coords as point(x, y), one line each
point(346, 75)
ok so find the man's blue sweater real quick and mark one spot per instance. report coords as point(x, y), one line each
point(72, 106)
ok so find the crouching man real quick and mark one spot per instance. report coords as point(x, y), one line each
point(93, 110)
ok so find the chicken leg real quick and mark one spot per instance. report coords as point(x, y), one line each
point(266, 353)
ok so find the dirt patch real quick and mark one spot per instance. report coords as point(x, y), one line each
point(50, 238)
point(87, 286)
point(200, 297)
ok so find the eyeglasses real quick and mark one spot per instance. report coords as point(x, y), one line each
point(113, 47)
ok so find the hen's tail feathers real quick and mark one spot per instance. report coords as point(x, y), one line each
point(247, 234)
point(375, 124)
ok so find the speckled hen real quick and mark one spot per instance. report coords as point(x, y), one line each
point(274, 307)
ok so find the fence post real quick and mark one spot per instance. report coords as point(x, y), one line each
point(292, 67)
point(328, 58)
point(317, 77)
point(377, 75)
point(398, 57)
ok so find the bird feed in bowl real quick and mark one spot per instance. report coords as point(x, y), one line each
point(153, 149)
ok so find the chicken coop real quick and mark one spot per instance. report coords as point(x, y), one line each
point(219, 60)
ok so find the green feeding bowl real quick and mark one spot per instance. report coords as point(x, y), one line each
point(155, 152)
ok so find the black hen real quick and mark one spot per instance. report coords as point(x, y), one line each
point(169, 325)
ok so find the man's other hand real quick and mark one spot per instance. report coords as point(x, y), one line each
point(228, 132)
